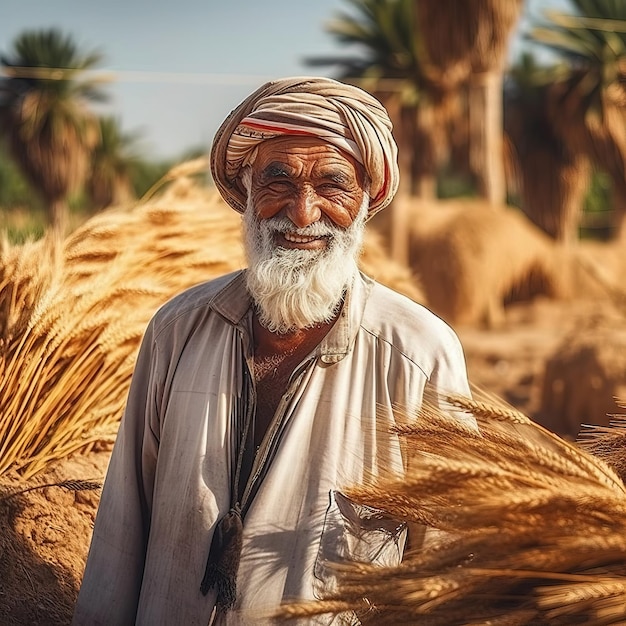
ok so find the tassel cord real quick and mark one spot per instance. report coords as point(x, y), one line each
point(225, 551)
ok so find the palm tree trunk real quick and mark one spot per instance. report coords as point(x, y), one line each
point(486, 145)
point(58, 216)
point(554, 188)
point(418, 164)
point(425, 164)
point(568, 224)
point(398, 231)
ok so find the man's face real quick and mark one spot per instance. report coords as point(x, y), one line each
point(303, 229)
point(306, 180)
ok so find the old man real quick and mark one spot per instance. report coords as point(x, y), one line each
point(258, 396)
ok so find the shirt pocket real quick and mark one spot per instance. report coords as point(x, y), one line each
point(358, 533)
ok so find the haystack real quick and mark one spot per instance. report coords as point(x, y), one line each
point(525, 529)
point(585, 377)
point(473, 259)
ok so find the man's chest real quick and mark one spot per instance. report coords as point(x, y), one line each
point(272, 374)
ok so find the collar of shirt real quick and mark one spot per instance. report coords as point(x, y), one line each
point(233, 302)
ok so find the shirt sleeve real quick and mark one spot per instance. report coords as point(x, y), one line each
point(449, 376)
point(450, 372)
point(111, 584)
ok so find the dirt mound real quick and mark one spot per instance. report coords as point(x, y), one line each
point(586, 376)
point(44, 541)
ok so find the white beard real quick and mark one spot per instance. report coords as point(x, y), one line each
point(292, 288)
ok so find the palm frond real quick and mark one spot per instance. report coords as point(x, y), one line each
point(45, 116)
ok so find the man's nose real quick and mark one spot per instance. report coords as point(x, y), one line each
point(304, 209)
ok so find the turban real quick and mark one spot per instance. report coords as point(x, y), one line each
point(340, 114)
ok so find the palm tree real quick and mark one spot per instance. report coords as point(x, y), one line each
point(386, 64)
point(44, 115)
point(552, 179)
point(113, 164)
point(469, 41)
point(589, 107)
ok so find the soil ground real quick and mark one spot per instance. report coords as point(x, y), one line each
point(509, 361)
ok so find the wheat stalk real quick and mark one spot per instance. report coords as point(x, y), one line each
point(531, 527)
point(69, 485)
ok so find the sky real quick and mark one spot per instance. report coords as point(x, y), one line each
point(176, 68)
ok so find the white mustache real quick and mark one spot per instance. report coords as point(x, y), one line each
point(284, 225)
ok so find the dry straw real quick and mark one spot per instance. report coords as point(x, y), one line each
point(68, 485)
point(72, 312)
point(526, 528)
point(473, 259)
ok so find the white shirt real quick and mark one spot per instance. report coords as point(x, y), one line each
point(169, 477)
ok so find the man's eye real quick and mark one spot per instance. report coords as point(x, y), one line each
point(331, 187)
point(279, 185)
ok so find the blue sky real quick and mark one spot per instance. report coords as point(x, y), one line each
point(181, 65)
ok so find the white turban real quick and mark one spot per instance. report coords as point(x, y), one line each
point(341, 114)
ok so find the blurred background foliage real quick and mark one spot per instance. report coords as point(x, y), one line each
point(545, 133)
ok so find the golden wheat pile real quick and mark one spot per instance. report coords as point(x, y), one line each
point(472, 258)
point(72, 312)
point(608, 442)
point(527, 529)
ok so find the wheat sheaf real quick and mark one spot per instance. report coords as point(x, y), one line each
point(73, 311)
point(523, 527)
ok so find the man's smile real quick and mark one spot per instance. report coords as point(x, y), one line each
point(303, 242)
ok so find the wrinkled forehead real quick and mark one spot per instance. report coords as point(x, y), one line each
point(295, 156)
